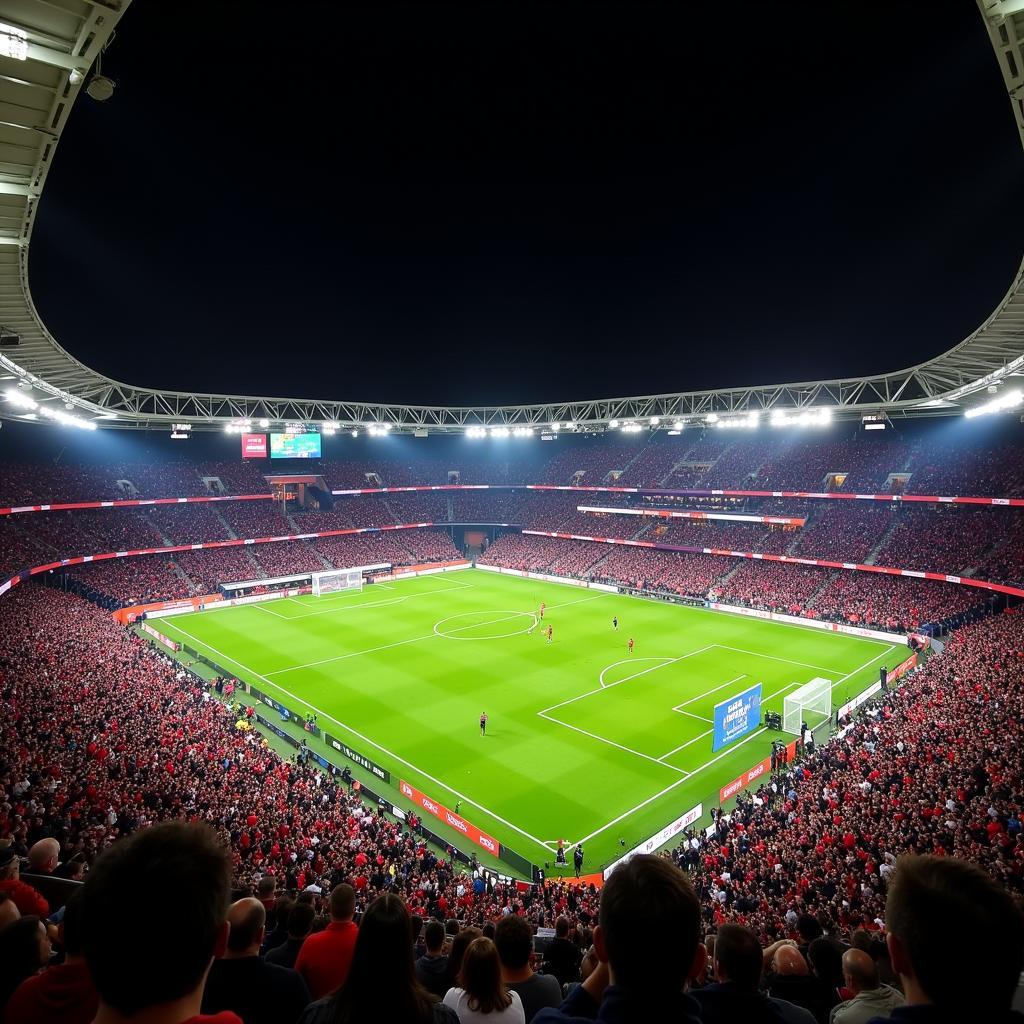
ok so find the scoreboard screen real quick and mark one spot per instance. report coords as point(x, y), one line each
point(295, 446)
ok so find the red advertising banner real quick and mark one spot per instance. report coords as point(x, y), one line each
point(759, 769)
point(449, 818)
point(254, 446)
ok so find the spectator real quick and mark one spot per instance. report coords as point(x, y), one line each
point(63, 994)
point(300, 924)
point(562, 957)
point(790, 978)
point(8, 910)
point(325, 956)
point(481, 996)
point(27, 899)
point(870, 997)
point(382, 984)
point(513, 938)
point(266, 892)
point(931, 899)
point(432, 967)
point(159, 980)
point(260, 993)
point(648, 944)
point(43, 857)
point(460, 944)
point(279, 935)
point(734, 995)
point(24, 951)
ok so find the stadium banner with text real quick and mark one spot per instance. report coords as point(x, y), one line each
point(160, 638)
point(254, 446)
point(736, 716)
point(753, 773)
point(659, 839)
point(353, 755)
point(664, 513)
point(492, 846)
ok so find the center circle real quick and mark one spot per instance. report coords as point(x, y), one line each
point(506, 622)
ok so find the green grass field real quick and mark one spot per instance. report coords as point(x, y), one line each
point(584, 741)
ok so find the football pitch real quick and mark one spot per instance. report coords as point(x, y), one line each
point(584, 742)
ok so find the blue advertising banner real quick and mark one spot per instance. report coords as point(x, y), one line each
point(737, 716)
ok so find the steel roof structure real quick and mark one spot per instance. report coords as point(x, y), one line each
point(47, 51)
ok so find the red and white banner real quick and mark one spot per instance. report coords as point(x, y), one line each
point(160, 638)
point(664, 513)
point(130, 503)
point(254, 446)
point(752, 774)
point(457, 822)
point(659, 839)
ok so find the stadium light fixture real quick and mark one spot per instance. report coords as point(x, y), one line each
point(613, 424)
point(808, 418)
point(13, 42)
point(631, 428)
point(748, 422)
point(20, 400)
point(712, 417)
point(655, 420)
point(476, 432)
point(355, 433)
point(499, 431)
point(570, 425)
point(1009, 400)
point(264, 423)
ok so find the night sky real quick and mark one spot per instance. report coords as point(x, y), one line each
point(505, 202)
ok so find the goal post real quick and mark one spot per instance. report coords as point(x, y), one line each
point(810, 703)
point(333, 581)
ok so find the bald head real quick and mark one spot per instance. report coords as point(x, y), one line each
point(859, 970)
point(43, 857)
point(789, 960)
point(247, 919)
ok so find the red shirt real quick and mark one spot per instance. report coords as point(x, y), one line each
point(326, 956)
point(61, 995)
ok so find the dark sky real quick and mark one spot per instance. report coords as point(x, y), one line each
point(505, 202)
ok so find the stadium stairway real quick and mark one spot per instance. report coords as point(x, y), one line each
point(227, 526)
point(192, 585)
point(882, 542)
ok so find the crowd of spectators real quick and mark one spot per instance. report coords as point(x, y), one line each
point(774, 586)
point(951, 540)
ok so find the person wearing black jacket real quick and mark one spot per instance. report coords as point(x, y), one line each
point(734, 995)
point(300, 924)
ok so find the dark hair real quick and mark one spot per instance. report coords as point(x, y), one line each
point(650, 918)
point(343, 901)
point(433, 935)
point(245, 926)
point(459, 946)
point(19, 954)
point(381, 983)
point(266, 886)
point(808, 927)
point(738, 956)
point(189, 864)
point(71, 924)
point(300, 920)
point(514, 938)
point(931, 898)
point(562, 927)
point(826, 961)
point(480, 977)
point(488, 930)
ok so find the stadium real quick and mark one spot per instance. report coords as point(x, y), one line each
point(730, 677)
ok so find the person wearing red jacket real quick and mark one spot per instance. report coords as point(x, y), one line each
point(326, 956)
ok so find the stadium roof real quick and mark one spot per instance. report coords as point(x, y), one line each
point(48, 49)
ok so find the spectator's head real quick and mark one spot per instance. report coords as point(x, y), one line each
point(513, 938)
point(459, 946)
point(190, 868)
point(381, 983)
point(266, 888)
point(649, 926)
point(300, 920)
point(788, 961)
point(433, 937)
point(416, 924)
point(808, 928)
point(71, 927)
point(24, 949)
point(10, 866)
point(43, 857)
point(738, 957)
point(826, 962)
point(561, 929)
point(932, 898)
point(859, 971)
point(488, 930)
point(480, 977)
point(248, 920)
point(343, 902)
point(8, 910)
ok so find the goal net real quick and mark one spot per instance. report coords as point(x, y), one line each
point(810, 703)
point(335, 580)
